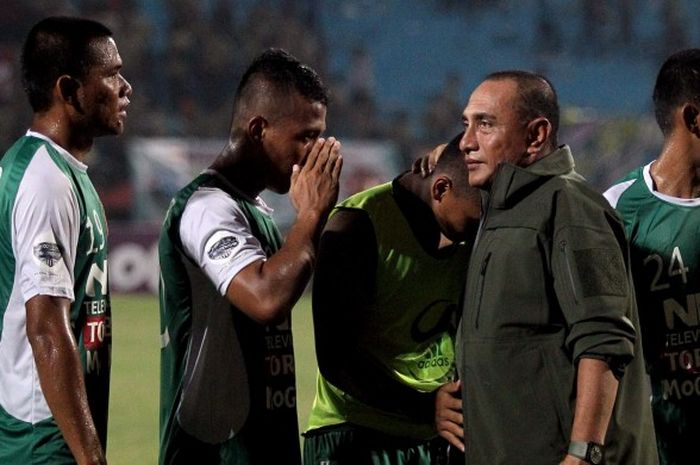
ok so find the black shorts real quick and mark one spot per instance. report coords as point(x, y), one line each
point(347, 444)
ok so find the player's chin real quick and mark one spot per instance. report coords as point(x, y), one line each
point(114, 128)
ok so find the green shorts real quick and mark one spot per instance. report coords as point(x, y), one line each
point(347, 444)
point(26, 443)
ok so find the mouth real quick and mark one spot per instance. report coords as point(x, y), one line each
point(122, 108)
point(472, 163)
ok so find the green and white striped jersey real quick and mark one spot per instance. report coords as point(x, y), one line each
point(53, 241)
point(665, 254)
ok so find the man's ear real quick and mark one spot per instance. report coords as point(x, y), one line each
point(690, 118)
point(67, 89)
point(256, 128)
point(538, 132)
point(441, 186)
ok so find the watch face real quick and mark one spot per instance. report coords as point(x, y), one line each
point(595, 454)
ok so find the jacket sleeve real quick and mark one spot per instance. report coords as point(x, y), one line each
point(592, 281)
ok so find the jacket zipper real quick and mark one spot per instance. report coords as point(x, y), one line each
point(562, 247)
point(482, 275)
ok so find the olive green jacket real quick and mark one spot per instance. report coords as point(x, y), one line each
point(548, 284)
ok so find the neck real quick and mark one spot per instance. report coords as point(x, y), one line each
point(674, 171)
point(413, 197)
point(59, 129)
point(416, 185)
point(241, 168)
point(544, 152)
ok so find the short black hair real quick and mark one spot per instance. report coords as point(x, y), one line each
point(279, 68)
point(678, 83)
point(536, 96)
point(453, 164)
point(56, 46)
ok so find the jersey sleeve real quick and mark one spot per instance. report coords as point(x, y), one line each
point(217, 236)
point(46, 227)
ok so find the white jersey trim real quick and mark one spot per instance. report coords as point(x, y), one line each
point(613, 194)
point(666, 198)
point(77, 164)
point(257, 201)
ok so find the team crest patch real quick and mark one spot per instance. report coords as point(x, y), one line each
point(48, 253)
point(223, 248)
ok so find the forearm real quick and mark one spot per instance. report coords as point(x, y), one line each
point(270, 289)
point(291, 267)
point(61, 377)
point(596, 392)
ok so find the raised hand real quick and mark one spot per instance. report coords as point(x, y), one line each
point(314, 186)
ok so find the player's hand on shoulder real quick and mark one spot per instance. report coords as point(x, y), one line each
point(315, 184)
point(425, 165)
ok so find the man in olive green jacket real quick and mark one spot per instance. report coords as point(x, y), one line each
point(551, 366)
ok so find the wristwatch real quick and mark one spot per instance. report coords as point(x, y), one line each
point(590, 452)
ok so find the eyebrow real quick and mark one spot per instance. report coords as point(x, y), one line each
point(479, 116)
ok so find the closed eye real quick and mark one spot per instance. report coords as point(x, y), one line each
point(310, 136)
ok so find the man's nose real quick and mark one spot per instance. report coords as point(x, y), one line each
point(468, 142)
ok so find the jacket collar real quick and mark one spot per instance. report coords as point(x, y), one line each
point(511, 183)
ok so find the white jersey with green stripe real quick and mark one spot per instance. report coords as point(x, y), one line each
point(52, 242)
point(665, 256)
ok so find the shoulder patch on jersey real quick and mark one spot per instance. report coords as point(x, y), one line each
point(222, 247)
point(48, 253)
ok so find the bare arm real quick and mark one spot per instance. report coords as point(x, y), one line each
point(61, 375)
point(266, 290)
point(596, 391)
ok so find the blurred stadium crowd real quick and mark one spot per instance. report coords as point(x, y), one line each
point(184, 57)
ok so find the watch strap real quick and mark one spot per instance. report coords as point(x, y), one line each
point(590, 452)
point(578, 449)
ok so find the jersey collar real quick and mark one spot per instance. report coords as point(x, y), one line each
point(666, 198)
point(64, 153)
point(257, 201)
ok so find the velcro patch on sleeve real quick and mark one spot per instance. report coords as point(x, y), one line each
point(601, 272)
